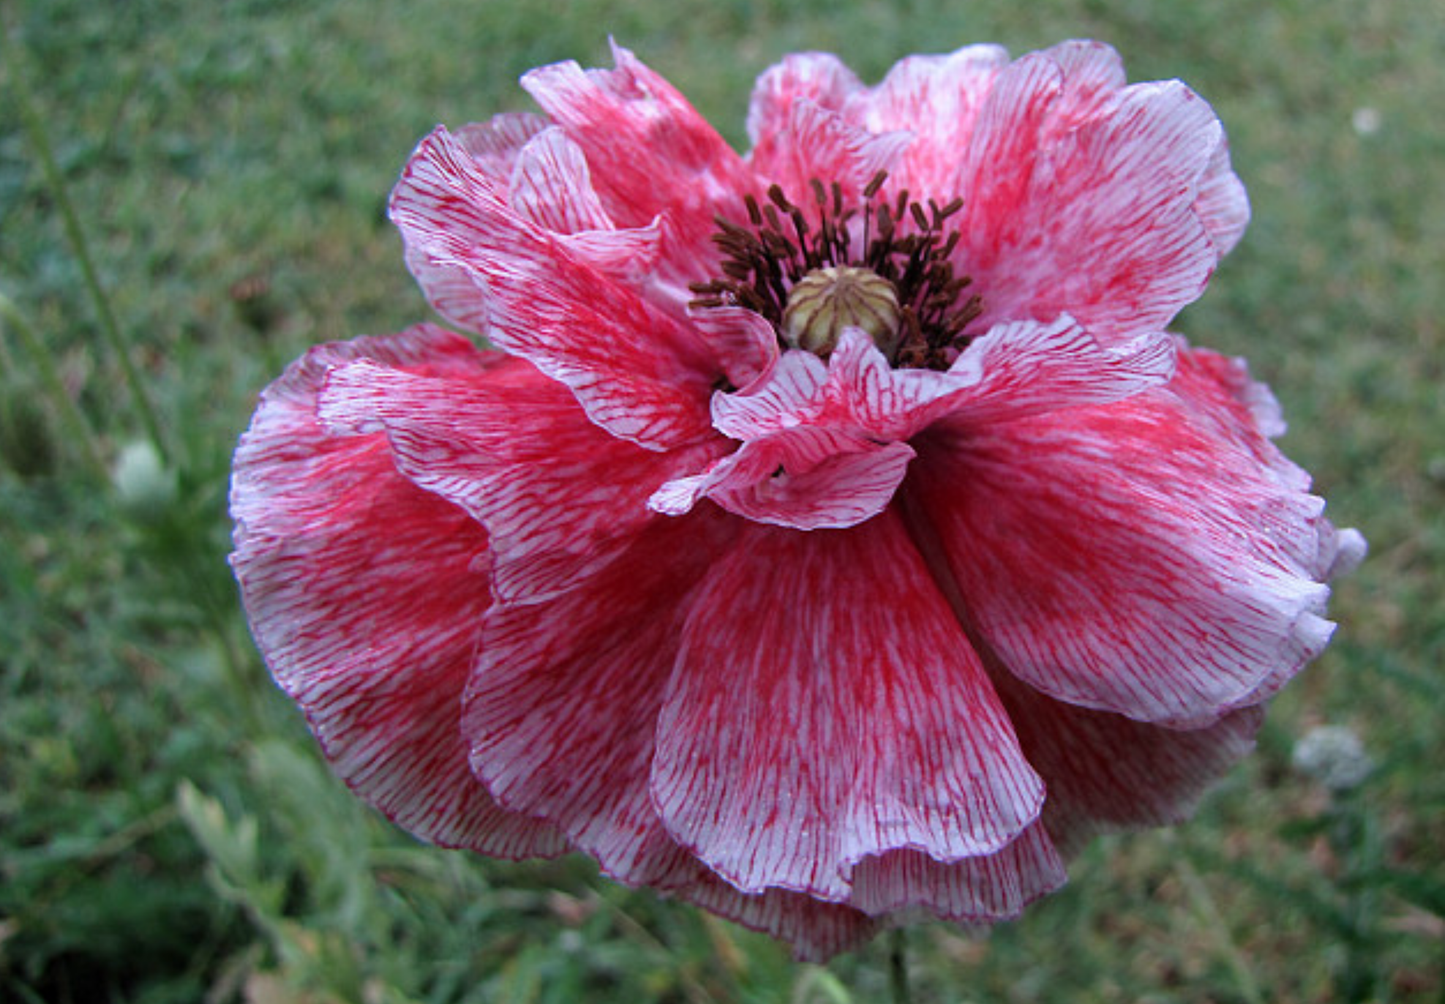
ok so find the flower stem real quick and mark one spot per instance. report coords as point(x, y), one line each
point(898, 967)
point(40, 143)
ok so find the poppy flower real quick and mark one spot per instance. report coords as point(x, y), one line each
point(828, 534)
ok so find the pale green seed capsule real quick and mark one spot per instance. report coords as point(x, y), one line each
point(827, 300)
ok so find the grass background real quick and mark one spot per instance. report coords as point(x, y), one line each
point(166, 831)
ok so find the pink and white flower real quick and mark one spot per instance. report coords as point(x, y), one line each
point(812, 637)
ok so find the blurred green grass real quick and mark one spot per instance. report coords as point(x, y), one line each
point(166, 833)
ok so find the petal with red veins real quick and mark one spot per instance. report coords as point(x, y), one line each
point(1107, 773)
point(808, 478)
point(650, 152)
point(819, 144)
point(1098, 221)
point(1223, 204)
point(1237, 408)
point(1140, 557)
point(817, 930)
point(995, 176)
point(495, 144)
point(453, 291)
point(923, 94)
point(1016, 369)
point(1341, 551)
point(364, 593)
point(561, 711)
point(826, 708)
point(819, 77)
point(637, 371)
point(983, 889)
point(551, 186)
point(745, 342)
point(629, 256)
point(937, 99)
point(824, 444)
point(558, 495)
point(1245, 411)
point(784, 396)
point(1093, 73)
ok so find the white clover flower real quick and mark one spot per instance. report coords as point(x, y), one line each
point(1334, 756)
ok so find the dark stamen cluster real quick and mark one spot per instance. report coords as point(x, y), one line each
point(764, 260)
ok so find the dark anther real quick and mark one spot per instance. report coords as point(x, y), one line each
point(885, 222)
point(755, 217)
point(800, 225)
point(939, 215)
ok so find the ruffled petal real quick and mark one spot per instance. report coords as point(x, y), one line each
point(824, 444)
point(745, 342)
point(937, 100)
point(826, 708)
point(558, 495)
point(817, 77)
point(552, 187)
point(995, 173)
point(1073, 205)
point(1155, 558)
point(1106, 773)
point(628, 256)
point(808, 478)
point(496, 143)
point(1092, 74)
point(562, 709)
point(1105, 229)
point(1223, 204)
point(687, 174)
point(820, 144)
point(1017, 369)
point(637, 371)
point(983, 889)
point(788, 394)
point(1237, 409)
point(817, 930)
point(364, 593)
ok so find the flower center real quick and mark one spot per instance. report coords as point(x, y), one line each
point(883, 268)
point(827, 300)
